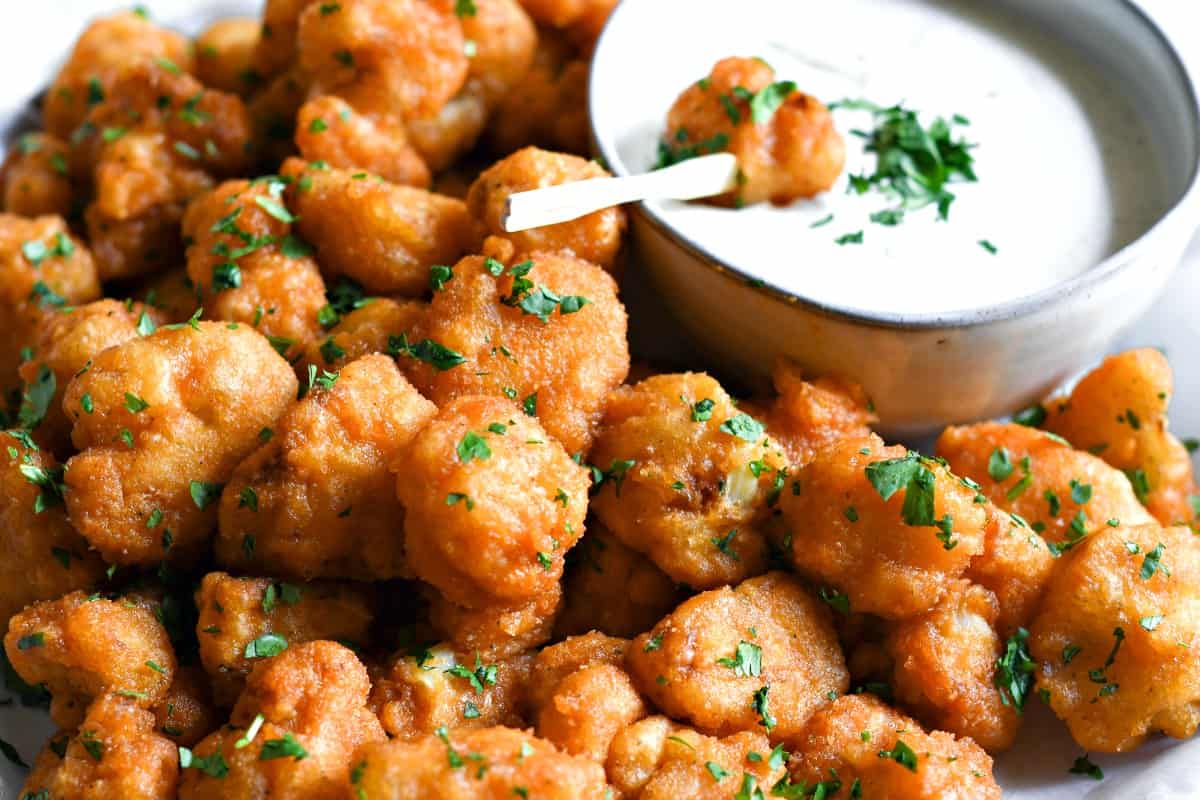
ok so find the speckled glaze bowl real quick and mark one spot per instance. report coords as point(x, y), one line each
point(923, 371)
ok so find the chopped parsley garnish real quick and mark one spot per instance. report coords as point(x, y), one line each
point(767, 101)
point(653, 643)
point(287, 747)
point(473, 447)
point(226, 275)
point(213, 766)
point(917, 480)
point(702, 410)
point(482, 674)
point(837, 600)
point(744, 427)
point(529, 405)
point(854, 237)
point(437, 355)
point(250, 733)
point(1031, 417)
point(1140, 482)
point(723, 544)
point(1151, 622)
point(36, 399)
point(1084, 766)
point(265, 646)
point(1152, 563)
point(135, 404)
point(761, 705)
point(439, 276)
point(679, 149)
point(93, 746)
point(746, 660)
point(1000, 465)
point(12, 755)
point(465, 8)
point(1014, 671)
point(31, 640)
point(205, 494)
point(902, 754)
point(986, 245)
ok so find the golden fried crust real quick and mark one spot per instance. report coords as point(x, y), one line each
point(329, 129)
point(236, 613)
point(709, 660)
point(277, 45)
point(173, 414)
point(443, 139)
point(44, 558)
point(505, 40)
point(690, 478)
point(852, 740)
point(845, 535)
point(108, 45)
point(312, 701)
point(496, 631)
point(1015, 566)
point(66, 340)
point(225, 55)
point(1119, 410)
point(492, 503)
point(612, 589)
point(656, 759)
point(562, 369)
point(796, 153)
point(945, 660)
point(1116, 637)
point(595, 237)
point(186, 715)
point(474, 764)
point(171, 294)
point(1044, 490)
point(81, 646)
point(548, 107)
point(431, 688)
point(807, 417)
point(115, 755)
point(34, 179)
point(374, 328)
point(412, 50)
point(583, 19)
point(382, 235)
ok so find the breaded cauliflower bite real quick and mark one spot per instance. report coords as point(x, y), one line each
point(884, 526)
point(785, 142)
point(595, 237)
point(1116, 637)
point(1015, 566)
point(473, 764)
point(225, 55)
point(548, 108)
point(688, 478)
point(318, 499)
point(35, 178)
point(375, 327)
point(330, 130)
point(1119, 412)
point(433, 687)
point(380, 234)
point(115, 755)
point(808, 416)
point(497, 631)
point(657, 759)
point(763, 655)
point(860, 742)
point(293, 732)
point(546, 331)
point(492, 503)
point(162, 422)
point(83, 646)
point(244, 620)
point(187, 714)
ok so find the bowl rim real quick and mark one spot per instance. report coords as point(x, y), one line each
point(1125, 258)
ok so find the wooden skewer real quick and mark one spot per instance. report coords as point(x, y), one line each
point(704, 176)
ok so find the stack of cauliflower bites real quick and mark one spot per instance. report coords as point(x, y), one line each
point(317, 484)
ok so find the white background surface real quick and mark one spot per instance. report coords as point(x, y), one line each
point(34, 38)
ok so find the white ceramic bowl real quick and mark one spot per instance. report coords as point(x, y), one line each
point(923, 370)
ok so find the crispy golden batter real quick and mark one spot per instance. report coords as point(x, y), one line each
point(433, 687)
point(945, 660)
point(241, 620)
point(186, 715)
point(762, 655)
point(373, 328)
point(473, 764)
point(595, 237)
point(82, 646)
point(859, 740)
point(492, 503)
point(225, 55)
point(115, 755)
point(34, 179)
point(612, 589)
point(656, 759)
point(548, 108)
point(382, 235)
point(796, 152)
point(689, 478)
point(277, 44)
point(1117, 634)
point(329, 129)
point(807, 417)
point(172, 294)
point(888, 558)
point(1015, 566)
point(497, 631)
point(173, 414)
point(1119, 411)
point(311, 701)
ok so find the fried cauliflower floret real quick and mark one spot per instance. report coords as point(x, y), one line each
point(276, 48)
point(44, 558)
point(689, 478)
point(763, 654)
point(657, 759)
point(34, 179)
point(330, 130)
point(808, 416)
point(548, 108)
point(854, 527)
point(293, 732)
point(792, 153)
point(434, 687)
point(43, 269)
point(595, 237)
point(65, 343)
point(373, 328)
point(474, 764)
point(171, 294)
point(505, 40)
point(243, 620)
point(382, 235)
point(107, 46)
point(225, 55)
point(497, 631)
point(115, 755)
point(186, 715)
point(1116, 637)
point(81, 646)
point(1119, 412)
point(612, 589)
point(582, 19)
point(492, 503)
point(1015, 566)
point(945, 660)
point(859, 741)
point(1062, 492)
point(172, 414)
